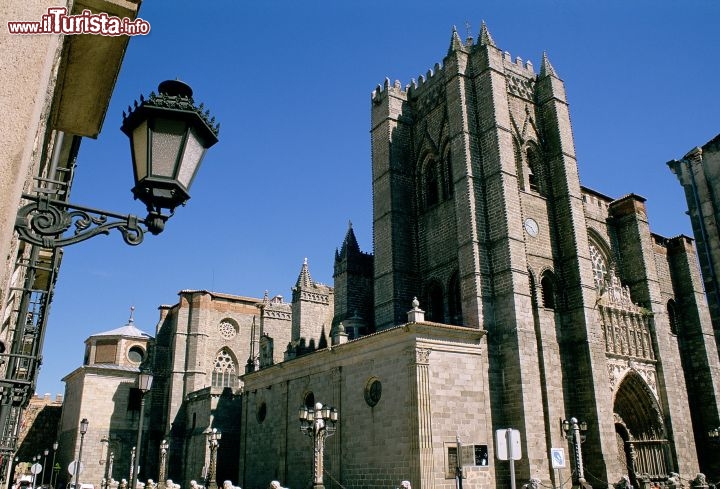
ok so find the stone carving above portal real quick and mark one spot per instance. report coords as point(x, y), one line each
point(625, 325)
point(613, 294)
point(618, 369)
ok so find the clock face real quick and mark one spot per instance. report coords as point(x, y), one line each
point(531, 226)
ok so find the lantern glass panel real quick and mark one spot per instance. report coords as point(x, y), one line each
point(167, 140)
point(191, 159)
point(140, 149)
point(145, 381)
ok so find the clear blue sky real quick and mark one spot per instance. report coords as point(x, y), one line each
point(290, 83)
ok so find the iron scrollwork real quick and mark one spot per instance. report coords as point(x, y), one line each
point(54, 223)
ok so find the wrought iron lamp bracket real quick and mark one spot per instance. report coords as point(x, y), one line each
point(52, 223)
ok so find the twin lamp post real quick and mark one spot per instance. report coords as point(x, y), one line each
point(318, 423)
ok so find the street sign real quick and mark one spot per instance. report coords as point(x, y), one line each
point(36, 469)
point(501, 443)
point(557, 456)
point(71, 467)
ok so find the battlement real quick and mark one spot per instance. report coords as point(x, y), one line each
point(517, 66)
point(383, 91)
point(415, 88)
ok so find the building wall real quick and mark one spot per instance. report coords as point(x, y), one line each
point(28, 79)
point(516, 225)
point(56, 90)
point(698, 173)
point(403, 436)
point(101, 395)
point(190, 337)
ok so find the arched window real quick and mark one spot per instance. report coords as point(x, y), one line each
point(672, 316)
point(309, 400)
point(225, 372)
point(535, 173)
point(432, 183)
point(434, 303)
point(547, 286)
point(455, 300)
point(599, 266)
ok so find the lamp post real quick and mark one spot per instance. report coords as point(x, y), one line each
point(132, 464)
point(162, 476)
point(45, 454)
point(573, 429)
point(55, 446)
point(32, 471)
point(83, 429)
point(318, 424)
point(145, 379)
point(214, 437)
point(110, 467)
point(11, 471)
point(169, 135)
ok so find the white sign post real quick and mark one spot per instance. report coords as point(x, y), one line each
point(508, 448)
point(557, 458)
point(71, 468)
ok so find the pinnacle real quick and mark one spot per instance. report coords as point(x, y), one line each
point(455, 41)
point(304, 279)
point(350, 242)
point(485, 37)
point(546, 69)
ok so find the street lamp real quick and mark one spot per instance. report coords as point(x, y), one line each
point(169, 135)
point(55, 446)
point(11, 471)
point(32, 469)
point(132, 463)
point(214, 437)
point(45, 454)
point(318, 424)
point(573, 429)
point(83, 429)
point(145, 379)
point(162, 476)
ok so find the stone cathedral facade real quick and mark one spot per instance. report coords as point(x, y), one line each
point(579, 309)
point(538, 300)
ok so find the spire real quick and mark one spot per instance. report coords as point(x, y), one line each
point(485, 37)
point(132, 315)
point(455, 41)
point(304, 279)
point(546, 68)
point(350, 243)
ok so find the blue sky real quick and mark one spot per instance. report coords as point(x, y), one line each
point(290, 83)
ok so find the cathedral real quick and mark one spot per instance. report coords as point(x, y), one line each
point(500, 294)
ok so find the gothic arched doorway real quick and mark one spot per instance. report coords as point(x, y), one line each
point(640, 430)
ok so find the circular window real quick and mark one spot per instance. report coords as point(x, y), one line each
point(227, 330)
point(136, 354)
point(261, 413)
point(373, 391)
